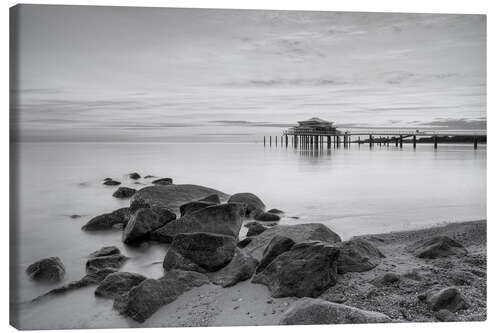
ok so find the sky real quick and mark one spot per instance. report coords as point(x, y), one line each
point(130, 74)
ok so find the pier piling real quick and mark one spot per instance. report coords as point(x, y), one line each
point(414, 141)
point(435, 141)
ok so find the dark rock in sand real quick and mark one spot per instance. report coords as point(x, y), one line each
point(254, 229)
point(385, 280)
point(201, 252)
point(194, 206)
point(357, 255)
point(223, 219)
point(118, 283)
point(108, 220)
point(306, 270)
point(448, 298)
point(113, 261)
point(275, 211)
point(299, 233)
point(241, 268)
point(266, 217)
point(105, 251)
point(250, 202)
point(124, 192)
point(436, 247)
point(134, 175)
point(445, 315)
point(244, 242)
point(143, 222)
point(163, 181)
point(310, 311)
point(48, 269)
point(278, 245)
point(173, 196)
point(111, 182)
point(143, 300)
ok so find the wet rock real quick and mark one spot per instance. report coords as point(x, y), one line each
point(114, 261)
point(436, 247)
point(278, 245)
point(162, 181)
point(118, 283)
point(48, 269)
point(111, 182)
point(251, 203)
point(194, 206)
point(149, 176)
point(298, 233)
point(143, 300)
point(244, 242)
point(213, 198)
point(223, 219)
point(266, 217)
point(134, 175)
point(254, 229)
point(142, 223)
point(124, 192)
point(164, 215)
point(309, 311)
point(275, 211)
point(75, 216)
point(201, 252)
point(306, 270)
point(385, 279)
point(448, 298)
point(107, 221)
point(358, 255)
point(445, 315)
point(105, 251)
point(107, 179)
point(241, 268)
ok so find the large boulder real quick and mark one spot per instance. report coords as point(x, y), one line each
point(108, 220)
point(113, 261)
point(201, 252)
point(251, 203)
point(143, 300)
point(223, 219)
point(124, 192)
point(449, 298)
point(357, 255)
point(436, 247)
point(310, 311)
point(266, 217)
point(48, 269)
point(143, 222)
point(306, 270)
point(194, 206)
point(298, 233)
point(173, 196)
point(117, 284)
point(278, 245)
point(241, 268)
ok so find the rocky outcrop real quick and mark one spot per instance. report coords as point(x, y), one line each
point(306, 270)
point(223, 219)
point(143, 222)
point(241, 268)
point(357, 255)
point(143, 300)
point(48, 269)
point(111, 182)
point(113, 261)
point(448, 299)
point(107, 221)
point(134, 175)
point(117, 284)
point(200, 252)
point(254, 229)
point(436, 247)
point(194, 206)
point(173, 196)
point(105, 251)
point(162, 181)
point(266, 217)
point(310, 311)
point(278, 245)
point(298, 233)
point(251, 203)
point(124, 192)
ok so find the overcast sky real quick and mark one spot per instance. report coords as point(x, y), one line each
point(139, 74)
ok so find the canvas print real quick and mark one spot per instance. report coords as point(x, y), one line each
point(220, 167)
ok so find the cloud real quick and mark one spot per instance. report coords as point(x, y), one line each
point(457, 123)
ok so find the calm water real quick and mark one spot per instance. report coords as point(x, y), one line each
point(353, 191)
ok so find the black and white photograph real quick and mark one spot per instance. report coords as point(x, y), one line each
point(176, 167)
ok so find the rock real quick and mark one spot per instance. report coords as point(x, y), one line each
point(173, 196)
point(213, 198)
point(223, 219)
point(275, 211)
point(118, 283)
point(241, 268)
point(141, 224)
point(114, 261)
point(149, 176)
point(306, 270)
point(194, 206)
point(298, 233)
point(124, 192)
point(357, 255)
point(107, 221)
point(448, 298)
point(250, 202)
point(254, 229)
point(436, 247)
point(445, 315)
point(143, 300)
point(48, 269)
point(266, 217)
point(106, 179)
point(134, 175)
point(278, 245)
point(164, 215)
point(244, 242)
point(75, 216)
point(105, 251)
point(162, 181)
point(385, 280)
point(135, 205)
point(200, 252)
point(111, 182)
point(310, 311)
